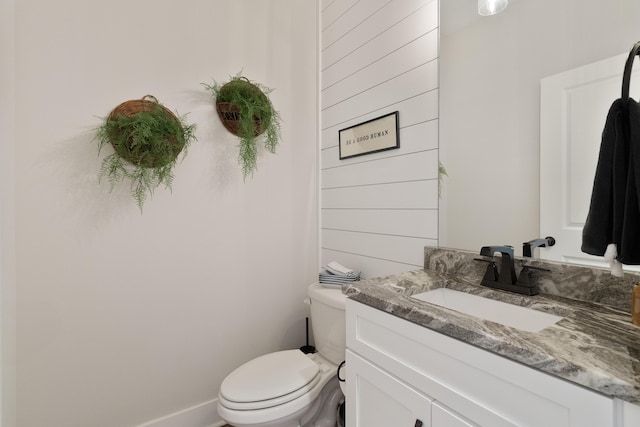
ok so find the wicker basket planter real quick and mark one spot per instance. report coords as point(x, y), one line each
point(156, 151)
point(245, 110)
point(147, 139)
point(229, 114)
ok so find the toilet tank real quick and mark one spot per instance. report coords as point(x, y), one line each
point(328, 321)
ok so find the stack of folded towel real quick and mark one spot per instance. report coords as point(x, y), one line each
point(335, 275)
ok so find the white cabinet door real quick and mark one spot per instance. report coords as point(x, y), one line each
point(442, 416)
point(381, 400)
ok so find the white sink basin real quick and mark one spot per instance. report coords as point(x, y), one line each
point(506, 314)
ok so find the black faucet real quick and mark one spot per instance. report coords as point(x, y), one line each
point(507, 274)
point(530, 246)
point(506, 279)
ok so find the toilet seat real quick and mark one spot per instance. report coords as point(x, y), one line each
point(270, 380)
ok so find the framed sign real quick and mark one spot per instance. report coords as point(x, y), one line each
point(375, 135)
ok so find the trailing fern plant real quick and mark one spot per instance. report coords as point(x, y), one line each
point(147, 143)
point(442, 172)
point(246, 111)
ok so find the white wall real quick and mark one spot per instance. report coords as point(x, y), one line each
point(124, 317)
point(7, 241)
point(490, 108)
point(379, 210)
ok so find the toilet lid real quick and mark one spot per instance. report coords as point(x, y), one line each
point(269, 377)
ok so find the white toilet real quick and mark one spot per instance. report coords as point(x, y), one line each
point(289, 388)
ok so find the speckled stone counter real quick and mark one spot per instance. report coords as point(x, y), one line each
point(594, 345)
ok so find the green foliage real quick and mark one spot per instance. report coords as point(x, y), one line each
point(256, 117)
point(442, 172)
point(146, 146)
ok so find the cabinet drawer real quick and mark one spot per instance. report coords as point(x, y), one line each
point(442, 416)
point(486, 388)
point(380, 400)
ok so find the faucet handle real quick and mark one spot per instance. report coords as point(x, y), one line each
point(525, 278)
point(530, 246)
point(531, 267)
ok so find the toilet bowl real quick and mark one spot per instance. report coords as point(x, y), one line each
point(290, 388)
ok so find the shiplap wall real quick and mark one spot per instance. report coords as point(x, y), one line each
point(378, 211)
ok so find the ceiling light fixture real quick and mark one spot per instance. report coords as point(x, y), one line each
point(491, 7)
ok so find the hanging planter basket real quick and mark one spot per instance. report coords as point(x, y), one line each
point(147, 139)
point(246, 95)
point(152, 150)
point(246, 111)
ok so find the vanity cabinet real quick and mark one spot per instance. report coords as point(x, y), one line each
point(402, 374)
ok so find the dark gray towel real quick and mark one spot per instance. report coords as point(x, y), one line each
point(614, 213)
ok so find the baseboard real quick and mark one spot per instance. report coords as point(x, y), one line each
point(202, 415)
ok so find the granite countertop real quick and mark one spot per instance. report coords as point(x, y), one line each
point(595, 345)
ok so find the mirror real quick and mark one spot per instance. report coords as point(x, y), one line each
point(490, 72)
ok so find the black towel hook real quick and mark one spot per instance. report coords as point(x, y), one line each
point(626, 77)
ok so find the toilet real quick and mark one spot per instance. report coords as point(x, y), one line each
point(290, 388)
